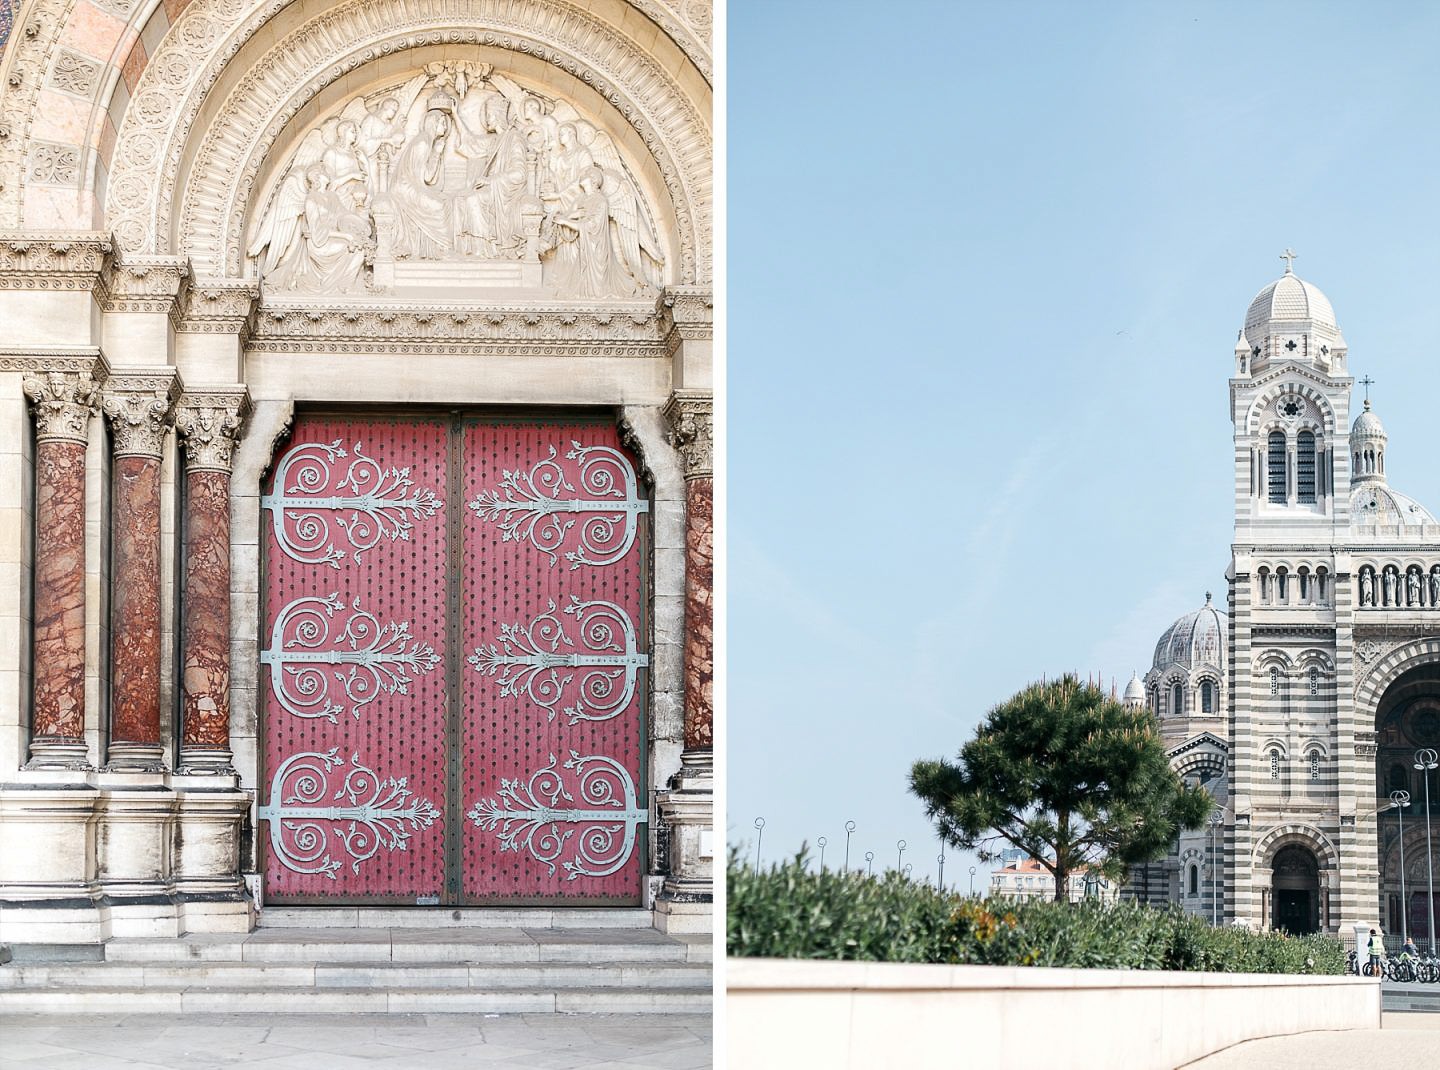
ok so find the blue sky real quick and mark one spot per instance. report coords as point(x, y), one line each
point(986, 265)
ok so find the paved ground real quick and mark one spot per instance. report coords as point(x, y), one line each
point(1411, 1040)
point(355, 1041)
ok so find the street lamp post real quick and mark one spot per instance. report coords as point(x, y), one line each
point(1400, 800)
point(869, 863)
point(1217, 818)
point(900, 844)
point(759, 835)
point(940, 880)
point(1425, 760)
point(822, 841)
point(972, 882)
point(849, 828)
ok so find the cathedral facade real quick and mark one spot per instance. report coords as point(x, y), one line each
point(355, 461)
point(1307, 704)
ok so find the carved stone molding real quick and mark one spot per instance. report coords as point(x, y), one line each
point(630, 329)
point(62, 403)
point(54, 260)
point(686, 22)
point(210, 422)
point(690, 417)
point(141, 409)
point(688, 311)
point(218, 306)
point(147, 282)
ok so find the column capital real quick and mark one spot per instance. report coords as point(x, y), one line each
point(141, 408)
point(147, 283)
point(690, 416)
point(63, 388)
point(218, 306)
point(54, 260)
point(210, 421)
point(686, 312)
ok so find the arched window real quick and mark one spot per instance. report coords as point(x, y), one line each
point(1207, 697)
point(1274, 681)
point(1314, 765)
point(1177, 700)
point(1314, 681)
point(1305, 467)
point(1399, 778)
point(1274, 763)
point(1275, 468)
point(1194, 879)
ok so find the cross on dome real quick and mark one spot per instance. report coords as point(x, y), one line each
point(1289, 256)
point(1367, 383)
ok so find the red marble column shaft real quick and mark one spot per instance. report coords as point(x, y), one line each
point(699, 614)
point(135, 601)
point(59, 713)
point(206, 673)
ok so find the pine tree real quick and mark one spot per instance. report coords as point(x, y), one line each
point(1068, 775)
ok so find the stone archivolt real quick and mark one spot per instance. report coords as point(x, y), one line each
point(220, 182)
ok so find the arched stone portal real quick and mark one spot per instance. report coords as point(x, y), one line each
point(1407, 720)
point(1295, 890)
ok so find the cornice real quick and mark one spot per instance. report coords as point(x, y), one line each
point(218, 306)
point(54, 260)
point(628, 329)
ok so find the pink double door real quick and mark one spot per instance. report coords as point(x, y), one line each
point(453, 662)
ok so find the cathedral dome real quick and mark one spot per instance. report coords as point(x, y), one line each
point(1195, 639)
point(1372, 502)
point(1134, 691)
point(1367, 425)
point(1289, 299)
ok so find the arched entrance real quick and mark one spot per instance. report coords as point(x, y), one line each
point(1407, 720)
point(1295, 890)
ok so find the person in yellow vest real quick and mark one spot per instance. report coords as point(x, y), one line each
point(1377, 950)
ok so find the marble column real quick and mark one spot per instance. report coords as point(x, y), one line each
point(140, 409)
point(686, 809)
point(210, 424)
point(691, 422)
point(62, 403)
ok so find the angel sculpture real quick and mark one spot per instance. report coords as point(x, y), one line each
point(382, 134)
point(590, 258)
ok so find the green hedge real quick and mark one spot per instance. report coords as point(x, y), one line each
point(788, 912)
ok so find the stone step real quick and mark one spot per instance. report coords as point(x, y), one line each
point(383, 976)
point(297, 1000)
point(273, 917)
point(458, 945)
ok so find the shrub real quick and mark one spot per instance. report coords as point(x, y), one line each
point(787, 911)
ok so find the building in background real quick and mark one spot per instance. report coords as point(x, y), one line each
point(1306, 707)
point(1024, 878)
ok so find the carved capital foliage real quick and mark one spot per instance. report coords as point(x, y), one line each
point(147, 283)
point(688, 310)
point(141, 409)
point(690, 419)
point(210, 423)
point(218, 306)
point(62, 401)
point(53, 260)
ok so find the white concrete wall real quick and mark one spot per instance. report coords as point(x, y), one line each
point(787, 1014)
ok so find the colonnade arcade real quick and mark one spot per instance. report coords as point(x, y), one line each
point(495, 214)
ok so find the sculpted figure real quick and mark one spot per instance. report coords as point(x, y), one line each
point(277, 239)
point(335, 238)
point(1367, 588)
point(342, 159)
point(423, 226)
point(586, 264)
point(1390, 587)
point(1435, 588)
point(381, 137)
point(1412, 587)
point(568, 162)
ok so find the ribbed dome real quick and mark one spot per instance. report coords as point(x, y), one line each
point(1367, 425)
point(1372, 502)
point(1195, 639)
point(1134, 691)
point(1288, 299)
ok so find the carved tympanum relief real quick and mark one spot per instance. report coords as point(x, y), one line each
point(457, 178)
